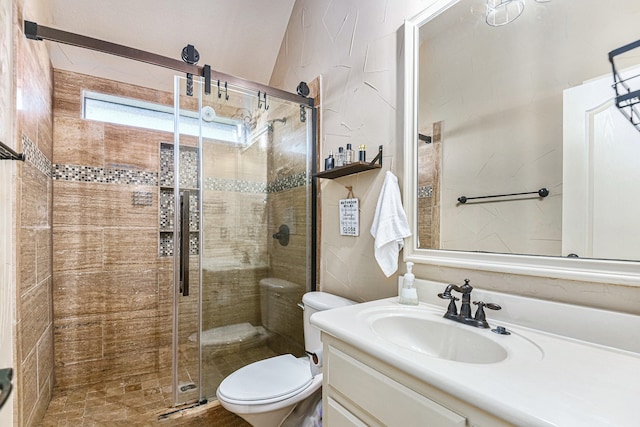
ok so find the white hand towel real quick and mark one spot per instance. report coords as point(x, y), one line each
point(390, 225)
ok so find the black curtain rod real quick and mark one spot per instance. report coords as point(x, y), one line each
point(33, 31)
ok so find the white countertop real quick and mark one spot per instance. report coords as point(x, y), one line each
point(545, 380)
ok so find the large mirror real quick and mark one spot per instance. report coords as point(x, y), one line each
point(517, 101)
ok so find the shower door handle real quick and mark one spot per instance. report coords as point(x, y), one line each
point(5, 385)
point(184, 243)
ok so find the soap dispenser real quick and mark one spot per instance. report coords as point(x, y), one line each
point(408, 294)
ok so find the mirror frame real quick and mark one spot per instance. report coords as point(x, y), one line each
point(588, 270)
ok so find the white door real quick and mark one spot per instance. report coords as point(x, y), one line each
point(601, 151)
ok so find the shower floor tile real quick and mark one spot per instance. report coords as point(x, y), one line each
point(134, 402)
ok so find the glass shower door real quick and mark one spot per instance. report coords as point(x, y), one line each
point(253, 186)
point(187, 161)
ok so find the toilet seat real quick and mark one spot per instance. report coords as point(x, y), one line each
point(267, 381)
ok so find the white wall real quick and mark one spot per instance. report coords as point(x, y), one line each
point(354, 45)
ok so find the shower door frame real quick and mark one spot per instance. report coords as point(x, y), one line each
point(312, 195)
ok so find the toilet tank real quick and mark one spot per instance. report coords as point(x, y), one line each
point(314, 302)
point(278, 299)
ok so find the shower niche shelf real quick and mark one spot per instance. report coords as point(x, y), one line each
point(188, 181)
point(352, 168)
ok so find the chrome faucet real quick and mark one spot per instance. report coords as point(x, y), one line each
point(478, 320)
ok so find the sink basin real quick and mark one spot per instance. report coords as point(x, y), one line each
point(439, 338)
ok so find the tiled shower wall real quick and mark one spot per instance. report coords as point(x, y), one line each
point(234, 257)
point(429, 177)
point(111, 307)
point(112, 270)
point(33, 133)
point(289, 204)
point(248, 193)
point(288, 201)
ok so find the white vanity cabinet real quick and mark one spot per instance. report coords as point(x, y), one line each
point(359, 390)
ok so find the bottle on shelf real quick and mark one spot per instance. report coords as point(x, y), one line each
point(362, 153)
point(339, 159)
point(329, 162)
point(348, 155)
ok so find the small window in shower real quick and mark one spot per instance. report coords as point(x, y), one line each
point(148, 115)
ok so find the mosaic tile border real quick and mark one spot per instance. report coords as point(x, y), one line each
point(234, 185)
point(189, 175)
point(288, 183)
point(425, 191)
point(78, 173)
point(241, 186)
point(36, 157)
point(92, 174)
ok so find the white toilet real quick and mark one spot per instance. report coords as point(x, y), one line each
point(264, 393)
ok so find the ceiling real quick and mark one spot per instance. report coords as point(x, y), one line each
point(237, 37)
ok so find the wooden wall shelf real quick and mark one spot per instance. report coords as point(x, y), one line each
point(351, 168)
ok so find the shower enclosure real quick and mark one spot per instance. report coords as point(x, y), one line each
point(238, 205)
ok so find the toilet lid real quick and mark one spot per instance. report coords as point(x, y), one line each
point(267, 381)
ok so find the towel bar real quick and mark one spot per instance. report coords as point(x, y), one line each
point(543, 192)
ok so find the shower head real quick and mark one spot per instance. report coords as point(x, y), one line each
point(282, 120)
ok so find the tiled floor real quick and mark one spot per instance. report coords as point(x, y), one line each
point(139, 400)
point(135, 402)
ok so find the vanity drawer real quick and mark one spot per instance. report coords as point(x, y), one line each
point(359, 387)
point(341, 417)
